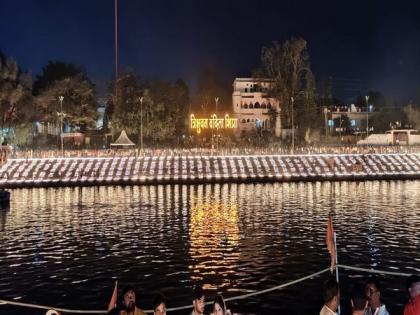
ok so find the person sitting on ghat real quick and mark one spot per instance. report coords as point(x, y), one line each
point(331, 296)
point(198, 301)
point(159, 305)
point(413, 288)
point(129, 302)
point(358, 300)
point(373, 291)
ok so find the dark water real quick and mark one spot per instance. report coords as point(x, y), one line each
point(64, 247)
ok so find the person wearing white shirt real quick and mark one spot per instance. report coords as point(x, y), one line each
point(331, 296)
point(373, 294)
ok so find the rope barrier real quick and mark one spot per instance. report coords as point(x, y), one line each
point(392, 273)
point(239, 297)
point(62, 310)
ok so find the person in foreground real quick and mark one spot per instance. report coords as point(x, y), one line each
point(219, 306)
point(331, 296)
point(129, 302)
point(413, 288)
point(159, 305)
point(198, 301)
point(358, 300)
point(373, 293)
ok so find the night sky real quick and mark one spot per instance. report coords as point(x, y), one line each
point(360, 44)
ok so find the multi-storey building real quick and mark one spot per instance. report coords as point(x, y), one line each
point(253, 106)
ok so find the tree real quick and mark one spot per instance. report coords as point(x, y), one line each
point(288, 66)
point(211, 83)
point(79, 104)
point(412, 113)
point(56, 71)
point(15, 95)
point(71, 82)
point(160, 107)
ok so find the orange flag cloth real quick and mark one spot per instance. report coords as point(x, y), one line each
point(330, 240)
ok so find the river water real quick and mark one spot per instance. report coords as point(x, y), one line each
point(64, 247)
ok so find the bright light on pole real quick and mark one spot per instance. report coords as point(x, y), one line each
point(61, 98)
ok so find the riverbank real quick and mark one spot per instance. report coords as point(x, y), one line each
point(96, 171)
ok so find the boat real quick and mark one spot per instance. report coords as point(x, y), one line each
point(4, 197)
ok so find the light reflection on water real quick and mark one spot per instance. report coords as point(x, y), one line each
point(64, 246)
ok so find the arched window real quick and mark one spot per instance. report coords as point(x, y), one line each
point(263, 105)
point(245, 105)
point(251, 105)
point(257, 105)
point(243, 121)
point(247, 120)
point(269, 105)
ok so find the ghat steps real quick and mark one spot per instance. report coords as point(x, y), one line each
point(90, 171)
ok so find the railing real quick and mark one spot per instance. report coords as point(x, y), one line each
point(239, 297)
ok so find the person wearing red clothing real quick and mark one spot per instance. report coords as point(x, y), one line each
point(413, 287)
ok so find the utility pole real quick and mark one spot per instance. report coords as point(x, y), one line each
point(216, 99)
point(141, 125)
point(61, 98)
point(116, 38)
point(293, 127)
point(367, 115)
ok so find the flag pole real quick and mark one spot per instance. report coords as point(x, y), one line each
point(336, 268)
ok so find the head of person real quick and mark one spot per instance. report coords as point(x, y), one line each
point(219, 306)
point(358, 298)
point(129, 298)
point(198, 300)
point(413, 286)
point(373, 292)
point(331, 294)
point(159, 305)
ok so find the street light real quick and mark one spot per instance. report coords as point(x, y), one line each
point(293, 127)
point(141, 125)
point(216, 99)
point(367, 115)
point(61, 98)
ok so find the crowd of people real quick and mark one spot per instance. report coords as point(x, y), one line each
point(128, 304)
point(366, 299)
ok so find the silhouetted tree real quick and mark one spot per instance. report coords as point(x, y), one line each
point(15, 95)
point(56, 71)
point(288, 66)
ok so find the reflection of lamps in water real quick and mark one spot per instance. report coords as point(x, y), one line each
point(214, 233)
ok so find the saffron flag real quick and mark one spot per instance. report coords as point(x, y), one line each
point(113, 302)
point(330, 240)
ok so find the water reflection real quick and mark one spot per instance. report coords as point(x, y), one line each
point(214, 233)
point(233, 238)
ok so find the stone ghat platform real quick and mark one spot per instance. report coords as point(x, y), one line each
point(59, 172)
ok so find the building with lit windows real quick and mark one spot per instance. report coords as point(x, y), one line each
point(253, 106)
